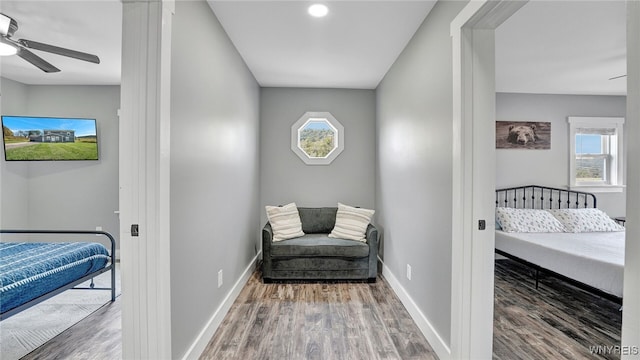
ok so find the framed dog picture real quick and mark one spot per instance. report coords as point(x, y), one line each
point(523, 135)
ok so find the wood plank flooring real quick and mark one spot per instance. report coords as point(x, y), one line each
point(317, 321)
point(555, 321)
point(367, 321)
point(97, 337)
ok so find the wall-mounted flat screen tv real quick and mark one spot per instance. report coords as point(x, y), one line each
point(28, 138)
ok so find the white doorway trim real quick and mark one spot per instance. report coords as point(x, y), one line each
point(472, 308)
point(144, 178)
point(472, 33)
point(631, 295)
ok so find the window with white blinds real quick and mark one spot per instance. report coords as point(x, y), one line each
point(596, 151)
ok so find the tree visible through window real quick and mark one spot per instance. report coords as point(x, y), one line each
point(317, 138)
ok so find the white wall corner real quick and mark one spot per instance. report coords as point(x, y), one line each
point(435, 340)
point(205, 335)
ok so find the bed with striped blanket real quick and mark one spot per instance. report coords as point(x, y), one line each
point(33, 272)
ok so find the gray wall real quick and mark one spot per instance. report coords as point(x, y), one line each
point(14, 176)
point(214, 169)
point(285, 177)
point(64, 194)
point(14, 96)
point(414, 172)
point(551, 167)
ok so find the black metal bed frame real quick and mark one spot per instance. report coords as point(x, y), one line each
point(72, 285)
point(543, 197)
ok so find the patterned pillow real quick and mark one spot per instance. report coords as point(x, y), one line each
point(351, 223)
point(527, 220)
point(585, 220)
point(285, 221)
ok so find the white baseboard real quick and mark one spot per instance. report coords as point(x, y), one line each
point(435, 340)
point(200, 343)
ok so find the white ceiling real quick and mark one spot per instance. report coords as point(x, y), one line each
point(352, 47)
point(563, 47)
point(558, 47)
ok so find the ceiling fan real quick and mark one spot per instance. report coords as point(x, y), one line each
point(9, 46)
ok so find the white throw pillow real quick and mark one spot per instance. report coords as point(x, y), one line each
point(351, 223)
point(527, 220)
point(285, 221)
point(585, 220)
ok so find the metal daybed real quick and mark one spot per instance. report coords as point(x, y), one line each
point(590, 261)
point(34, 272)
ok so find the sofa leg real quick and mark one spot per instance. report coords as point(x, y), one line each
point(267, 280)
point(371, 280)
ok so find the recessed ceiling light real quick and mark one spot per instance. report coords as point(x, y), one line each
point(318, 10)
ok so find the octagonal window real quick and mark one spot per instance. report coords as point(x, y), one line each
point(317, 138)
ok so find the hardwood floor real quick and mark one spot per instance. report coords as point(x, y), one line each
point(555, 321)
point(367, 321)
point(317, 321)
point(97, 337)
point(276, 321)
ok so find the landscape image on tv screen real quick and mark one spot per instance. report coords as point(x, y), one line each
point(47, 138)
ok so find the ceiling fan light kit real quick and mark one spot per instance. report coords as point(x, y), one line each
point(7, 49)
point(7, 25)
point(8, 46)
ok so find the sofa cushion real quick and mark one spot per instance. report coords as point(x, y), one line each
point(317, 220)
point(319, 245)
point(351, 223)
point(285, 221)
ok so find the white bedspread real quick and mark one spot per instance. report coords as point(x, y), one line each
point(596, 258)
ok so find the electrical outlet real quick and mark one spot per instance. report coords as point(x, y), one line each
point(219, 277)
point(408, 271)
point(98, 228)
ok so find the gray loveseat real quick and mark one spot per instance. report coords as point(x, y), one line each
point(315, 256)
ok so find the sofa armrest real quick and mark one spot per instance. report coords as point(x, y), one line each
point(372, 240)
point(372, 236)
point(267, 238)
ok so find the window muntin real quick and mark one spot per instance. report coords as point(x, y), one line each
point(596, 152)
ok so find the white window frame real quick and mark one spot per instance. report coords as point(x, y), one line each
point(615, 172)
point(333, 124)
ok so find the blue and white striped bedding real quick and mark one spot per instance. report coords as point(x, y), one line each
point(29, 270)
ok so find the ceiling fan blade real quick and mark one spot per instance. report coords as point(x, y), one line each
point(37, 61)
point(59, 51)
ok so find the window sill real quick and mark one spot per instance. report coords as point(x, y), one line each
point(598, 188)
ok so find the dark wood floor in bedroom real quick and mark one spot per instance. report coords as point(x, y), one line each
point(359, 320)
point(555, 321)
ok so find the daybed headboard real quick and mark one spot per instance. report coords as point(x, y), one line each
point(542, 197)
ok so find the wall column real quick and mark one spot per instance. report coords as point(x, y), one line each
point(144, 178)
